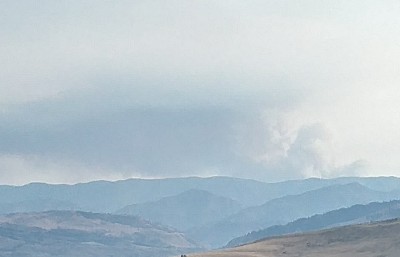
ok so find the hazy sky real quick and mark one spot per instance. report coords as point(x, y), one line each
point(270, 90)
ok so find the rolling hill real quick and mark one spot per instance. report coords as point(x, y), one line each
point(367, 240)
point(286, 209)
point(186, 210)
point(70, 234)
point(355, 214)
point(118, 194)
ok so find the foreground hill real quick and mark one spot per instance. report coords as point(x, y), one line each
point(367, 240)
point(353, 215)
point(186, 210)
point(116, 195)
point(70, 234)
point(286, 209)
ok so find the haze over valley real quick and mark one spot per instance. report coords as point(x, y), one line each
point(199, 128)
point(184, 215)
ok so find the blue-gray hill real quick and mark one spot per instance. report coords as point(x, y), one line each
point(116, 195)
point(375, 211)
point(186, 210)
point(286, 209)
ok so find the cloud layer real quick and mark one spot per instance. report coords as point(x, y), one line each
point(270, 90)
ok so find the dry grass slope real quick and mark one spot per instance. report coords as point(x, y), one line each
point(380, 239)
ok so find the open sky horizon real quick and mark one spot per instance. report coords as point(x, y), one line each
point(266, 90)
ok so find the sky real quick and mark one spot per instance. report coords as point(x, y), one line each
point(267, 90)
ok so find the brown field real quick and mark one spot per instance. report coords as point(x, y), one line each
point(367, 240)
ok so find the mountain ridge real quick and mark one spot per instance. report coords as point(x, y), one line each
point(371, 212)
point(118, 194)
point(286, 209)
point(362, 240)
point(186, 210)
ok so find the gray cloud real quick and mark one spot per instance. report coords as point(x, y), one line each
point(149, 139)
point(100, 89)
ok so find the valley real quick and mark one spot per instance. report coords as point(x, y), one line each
point(165, 217)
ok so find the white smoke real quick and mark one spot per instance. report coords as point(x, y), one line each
point(289, 147)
